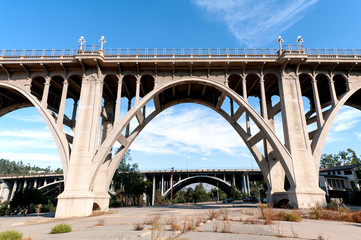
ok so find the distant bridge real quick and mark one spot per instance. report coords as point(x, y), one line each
point(46, 182)
point(221, 178)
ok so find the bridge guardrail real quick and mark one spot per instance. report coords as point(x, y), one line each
point(176, 53)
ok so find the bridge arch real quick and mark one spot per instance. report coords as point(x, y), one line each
point(321, 135)
point(219, 91)
point(59, 137)
point(215, 181)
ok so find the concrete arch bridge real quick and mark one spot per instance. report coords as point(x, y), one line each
point(221, 178)
point(305, 87)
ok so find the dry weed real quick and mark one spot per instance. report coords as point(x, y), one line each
point(226, 227)
point(139, 226)
point(175, 226)
point(101, 222)
point(212, 214)
point(150, 220)
point(225, 213)
point(215, 226)
point(266, 214)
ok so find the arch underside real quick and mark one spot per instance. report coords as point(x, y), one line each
point(217, 182)
point(15, 98)
point(201, 91)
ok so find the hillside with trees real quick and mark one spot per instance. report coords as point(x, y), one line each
point(8, 167)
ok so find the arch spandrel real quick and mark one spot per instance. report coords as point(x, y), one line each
point(280, 151)
point(59, 137)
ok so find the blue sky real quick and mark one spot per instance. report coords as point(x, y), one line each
point(175, 24)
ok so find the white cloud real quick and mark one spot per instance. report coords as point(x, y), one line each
point(24, 118)
point(254, 21)
point(181, 131)
point(26, 157)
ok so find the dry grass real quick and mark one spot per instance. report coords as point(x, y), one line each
point(188, 225)
point(138, 226)
point(101, 221)
point(226, 227)
point(289, 216)
point(211, 214)
point(251, 221)
point(266, 213)
point(215, 226)
point(152, 219)
point(199, 220)
point(225, 213)
point(357, 217)
point(175, 226)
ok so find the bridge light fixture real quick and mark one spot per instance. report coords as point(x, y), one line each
point(102, 42)
point(299, 42)
point(82, 42)
point(280, 41)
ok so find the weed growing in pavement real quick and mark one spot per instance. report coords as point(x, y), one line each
point(139, 226)
point(61, 228)
point(11, 235)
point(212, 214)
point(150, 220)
point(225, 213)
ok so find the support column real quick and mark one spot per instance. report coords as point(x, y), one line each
point(77, 198)
point(128, 126)
point(162, 185)
point(62, 104)
point(100, 188)
point(316, 98)
point(247, 180)
point(233, 180)
point(44, 99)
point(35, 183)
point(153, 192)
point(137, 91)
point(119, 98)
point(243, 184)
point(245, 97)
point(13, 190)
point(333, 92)
point(304, 191)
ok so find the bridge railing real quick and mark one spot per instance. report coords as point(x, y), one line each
point(176, 53)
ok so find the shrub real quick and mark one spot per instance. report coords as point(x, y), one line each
point(61, 228)
point(289, 216)
point(357, 217)
point(11, 235)
point(317, 212)
point(175, 226)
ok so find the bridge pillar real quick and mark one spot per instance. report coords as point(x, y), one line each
point(304, 191)
point(77, 199)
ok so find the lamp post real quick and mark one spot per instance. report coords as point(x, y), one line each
point(82, 42)
point(171, 184)
point(299, 42)
point(102, 42)
point(280, 41)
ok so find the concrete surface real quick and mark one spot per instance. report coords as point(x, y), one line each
point(243, 223)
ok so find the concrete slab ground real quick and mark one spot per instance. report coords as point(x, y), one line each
point(243, 223)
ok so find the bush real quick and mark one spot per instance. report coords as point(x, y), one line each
point(357, 217)
point(289, 216)
point(11, 235)
point(4, 208)
point(61, 228)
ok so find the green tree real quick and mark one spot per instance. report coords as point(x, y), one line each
point(28, 196)
point(128, 182)
point(347, 157)
point(200, 193)
point(235, 193)
point(180, 197)
point(190, 195)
